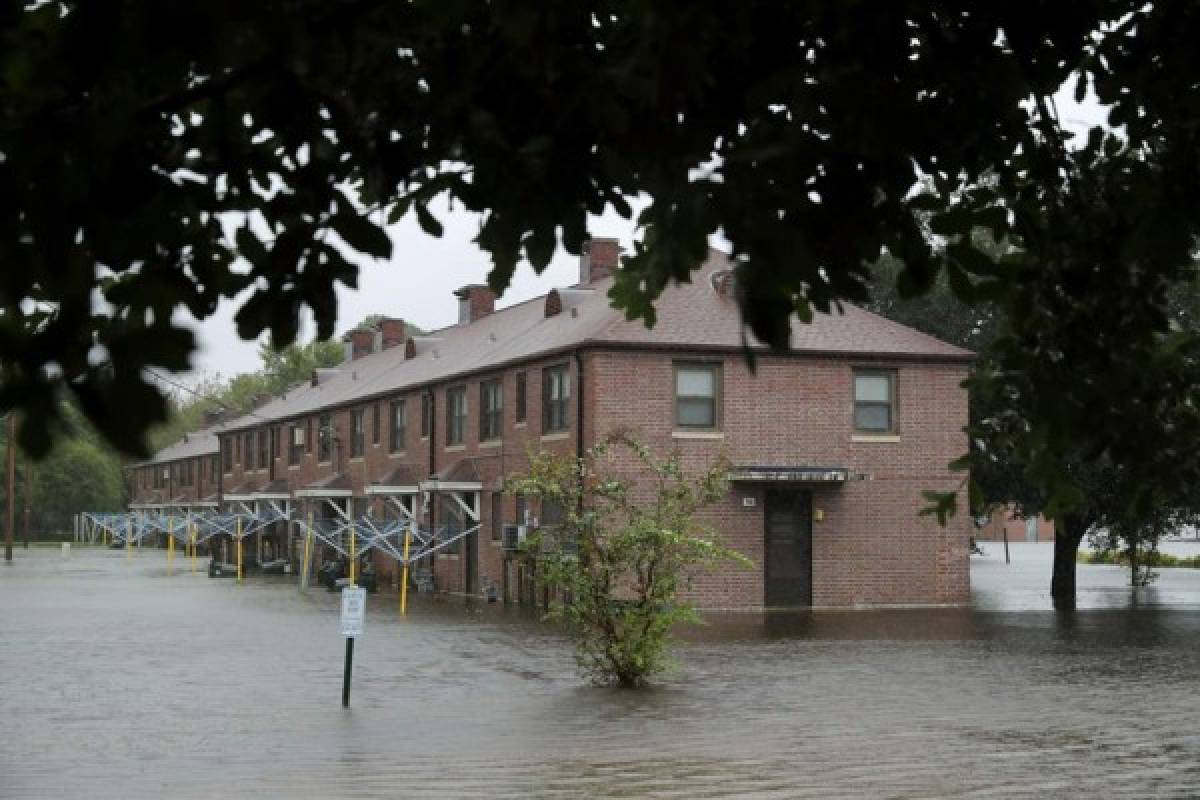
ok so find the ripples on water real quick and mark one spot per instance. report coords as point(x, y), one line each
point(117, 680)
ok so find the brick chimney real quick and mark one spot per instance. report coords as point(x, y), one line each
point(474, 302)
point(392, 332)
point(599, 260)
point(359, 343)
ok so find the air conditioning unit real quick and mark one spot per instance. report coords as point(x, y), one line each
point(514, 536)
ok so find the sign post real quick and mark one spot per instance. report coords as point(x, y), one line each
point(354, 607)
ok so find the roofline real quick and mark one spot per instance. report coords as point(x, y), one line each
point(966, 357)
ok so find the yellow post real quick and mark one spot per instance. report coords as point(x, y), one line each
point(353, 557)
point(170, 545)
point(128, 537)
point(404, 573)
point(306, 567)
point(192, 539)
point(239, 548)
point(141, 524)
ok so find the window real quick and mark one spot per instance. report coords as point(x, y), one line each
point(456, 415)
point(697, 396)
point(324, 438)
point(308, 436)
point(357, 433)
point(295, 444)
point(276, 441)
point(248, 451)
point(520, 415)
point(213, 474)
point(399, 432)
point(874, 401)
point(552, 513)
point(497, 516)
point(227, 455)
point(556, 392)
point(426, 414)
point(375, 424)
point(491, 410)
point(263, 452)
point(522, 509)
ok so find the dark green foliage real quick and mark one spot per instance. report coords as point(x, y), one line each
point(814, 136)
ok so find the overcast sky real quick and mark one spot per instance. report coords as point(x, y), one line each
point(417, 283)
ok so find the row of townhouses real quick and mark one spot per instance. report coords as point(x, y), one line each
point(831, 444)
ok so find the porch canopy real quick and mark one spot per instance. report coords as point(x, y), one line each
point(778, 474)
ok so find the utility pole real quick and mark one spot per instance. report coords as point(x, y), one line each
point(11, 483)
point(26, 497)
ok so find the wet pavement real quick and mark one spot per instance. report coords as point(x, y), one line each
point(117, 680)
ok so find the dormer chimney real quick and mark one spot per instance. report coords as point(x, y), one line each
point(391, 331)
point(474, 302)
point(599, 260)
point(359, 343)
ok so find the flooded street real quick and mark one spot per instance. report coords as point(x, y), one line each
point(117, 680)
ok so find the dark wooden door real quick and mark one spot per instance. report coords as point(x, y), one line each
point(788, 548)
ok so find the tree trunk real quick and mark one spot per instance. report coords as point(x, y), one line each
point(1067, 538)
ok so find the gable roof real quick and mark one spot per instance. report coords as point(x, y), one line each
point(192, 444)
point(688, 315)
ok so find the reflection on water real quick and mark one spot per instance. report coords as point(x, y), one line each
point(117, 680)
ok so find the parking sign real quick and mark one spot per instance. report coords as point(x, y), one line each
point(354, 608)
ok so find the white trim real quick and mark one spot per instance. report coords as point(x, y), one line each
point(271, 496)
point(455, 448)
point(875, 437)
point(496, 442)
point(237, 498)
point(686, 434)
point(319, 493)
point(557, 436)
point(378, 488)
point(451, 486)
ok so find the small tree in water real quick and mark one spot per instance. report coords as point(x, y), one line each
point(626, 541)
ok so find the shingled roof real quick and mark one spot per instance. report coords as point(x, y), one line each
point(194, 443)
point(688, 315)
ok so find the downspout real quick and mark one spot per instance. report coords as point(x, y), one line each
point(579, 406)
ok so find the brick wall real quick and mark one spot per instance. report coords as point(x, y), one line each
point(871, 547)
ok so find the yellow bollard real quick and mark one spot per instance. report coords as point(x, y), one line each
point(239, 549)
point(192, 537)
point(170, 545)
point(306, 567)
point(128, 539)
point(404, 574)
point(353, 558)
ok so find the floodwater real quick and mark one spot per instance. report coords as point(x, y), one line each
point(119, 680)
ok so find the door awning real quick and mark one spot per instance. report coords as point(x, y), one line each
point(771, 474)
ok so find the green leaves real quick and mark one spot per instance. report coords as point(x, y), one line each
point(362, 234)
point(629, 537)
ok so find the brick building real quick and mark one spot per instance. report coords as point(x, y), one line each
point(832, 444)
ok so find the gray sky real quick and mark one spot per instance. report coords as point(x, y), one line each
point(417, 283)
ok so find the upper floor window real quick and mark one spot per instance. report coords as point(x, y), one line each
point(325, 437)
point(213, 470)
point(263, 452)
point(426, 414)
point(875, 401)
point(556, 393)
point(399, 433)
point(248, 451)
point(237, 448)
point(491, 410)
point(697, 396)
point(308, 435)
point(227, 455)
point(375, 433)
point(358, 433)
point(295, 444)
point(456, 415)
point(520, 398)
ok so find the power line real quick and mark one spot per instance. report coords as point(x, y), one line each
point(195, 393)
